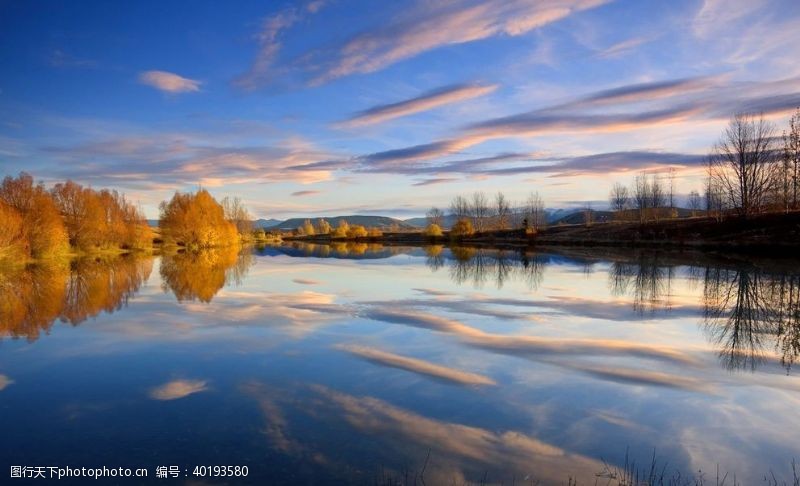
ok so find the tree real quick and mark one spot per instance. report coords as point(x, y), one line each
point(619, 198)
point(435, 216)
point(357, 231)
point(323, 227)
point(13, 244)
point(433, 230)
point(45, 234)
point(533, 214)
point(695, 202)
point(641, 195)
point(479, 209)
point(462, 227)
point(342, 229)
point(237, 213)
point(791, 163)
point(502, 211)
point(195, 221)
point(308, 228)
point(742, 163)
point(658, 196)
point(460, 207)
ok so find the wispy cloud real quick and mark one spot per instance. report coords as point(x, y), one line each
point(385, 358)
point(430, 25)
point(169, 82)
point(176, 389)
point(264, 67)
point(305, 193)
point(62, 59)
point(427, 101)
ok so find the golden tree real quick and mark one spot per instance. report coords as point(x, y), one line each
point(195, 221)
point(42, 225)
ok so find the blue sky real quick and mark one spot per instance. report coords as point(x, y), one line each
point(338, 107)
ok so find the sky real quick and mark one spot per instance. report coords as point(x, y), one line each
point(335, 107)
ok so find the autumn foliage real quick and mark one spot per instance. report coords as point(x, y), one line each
point(196, 220)
point(42, 232)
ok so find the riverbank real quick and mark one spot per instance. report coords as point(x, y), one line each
point(770, 232)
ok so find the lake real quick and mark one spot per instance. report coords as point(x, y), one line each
point(314, 364)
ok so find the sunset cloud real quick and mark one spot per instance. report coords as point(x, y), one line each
point(169, 82)
point(427, 101)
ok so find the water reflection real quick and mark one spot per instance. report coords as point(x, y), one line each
point(748, 312)
point(647, 279)
point(480, 266)
point(199, 275)
point(33, 297)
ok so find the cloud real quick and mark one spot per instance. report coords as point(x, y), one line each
point(434, 180)
point(169, 82)
point(427, 101)
point(621, 48)
point(430, 25)
point(171, 160)
point(419, 366)
point(5, 381)
point(306, 281)
point(305, 193)
point(264, 68)
point(61, 59)
point(176, 389)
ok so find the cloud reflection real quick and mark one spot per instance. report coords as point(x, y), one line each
point(419, 366)
point(176, 389)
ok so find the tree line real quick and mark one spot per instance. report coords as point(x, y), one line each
point(38, 222)
point(751, 170)
point(343, 230)
point(478, 213)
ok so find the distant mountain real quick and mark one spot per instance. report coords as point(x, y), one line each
point(381, 222)
point(447, 222)
point(266, 223)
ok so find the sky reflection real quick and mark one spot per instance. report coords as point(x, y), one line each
point(352, 361)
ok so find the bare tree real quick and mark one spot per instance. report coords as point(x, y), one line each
point(460, 207)
point(502, 211)
point(619, 198)
point(742, 163)
point(479, 210)
point(671, 176)
point(658, 196)
point(641, 195)
point(715, 202)
point(695, 202)
point(791, 163)
point(533, 213)
point(435, 216)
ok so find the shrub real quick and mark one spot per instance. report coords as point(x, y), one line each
point(433, 230)
point(463, 227)
point(374, 233)
point(357, 231)
point(342, 230)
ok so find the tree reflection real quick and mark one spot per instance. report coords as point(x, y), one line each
point(747, 311)
point(199, 275)
point(647, 279)
point(32, 298)
point(481, 265)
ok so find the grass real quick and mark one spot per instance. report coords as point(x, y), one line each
point(654, 473)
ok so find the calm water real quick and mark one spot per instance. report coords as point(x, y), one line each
point(353, 363)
